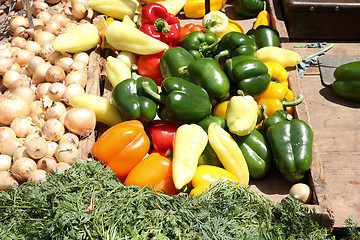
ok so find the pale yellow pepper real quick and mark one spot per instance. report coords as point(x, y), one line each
point(285, 57)
point(115, 8)
point(229, 153)
point(116, 71)
point(189, 142)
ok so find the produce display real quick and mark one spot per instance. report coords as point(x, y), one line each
point(191, 106)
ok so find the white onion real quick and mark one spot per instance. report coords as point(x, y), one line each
point(18, 42)
point(78, 77)
point(56, 91)
point(302, 192)
point(51, 148)
point(75, 66)
point(9, 145)
point(40, 72)
point(7, 180)
point(38, 7)
point(5, 64)
point(21, 31)
point(72, 90)
point(22, 168)
point(70, 138)
point(11, 109)
point(22, 56)
point(52, 130)
point(34, 61)
point(5, 162)
point(127, 57)
point(66, 152)
point(64, 62)
point(53, 26)
point(37, 147)
point(37, 176)
point(20, 153)
point(42, 89)
point(79, 10)
point(18, 21)
point(6, 132)
point(33, 46)
point(55, 74)
point(31, 135)
point(47, 164)
point(81, 57)
point(62, 19)
point(22, 126)
point(10, 77)
point(44, 16)
point(81, 121)
point(44, 38)
point(55, 111)
point(61, 167)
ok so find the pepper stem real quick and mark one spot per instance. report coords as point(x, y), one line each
point(297, 101)
point(182, 70)
point(133, 70)
point(209, 47)
point(222, 54)
point(148, 90)
point(263, 111)
point(161, 25)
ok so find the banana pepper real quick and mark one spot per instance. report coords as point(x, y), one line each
point(115, 8)
point(215, 22)
point(229, 153)
point(122, 147)
point(241, 115)
point(285, 57)
point(189, 142)
point(124, 37)
point(116, 71)
point(154, 171)
point(196, 8)
point(206, 174)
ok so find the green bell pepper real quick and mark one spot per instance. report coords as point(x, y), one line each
point(234, 44)
point(209, 157)
point(278, 116)
point(207, 73)
point(173, 59)
point(347, 81)
point(132, 102)
point(291, 145)
point(248, 8)
point(248, 74)
point(180, 101)
point(264, 36)
point(257, 153)
point(199, 44)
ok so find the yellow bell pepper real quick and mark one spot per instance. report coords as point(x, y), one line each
point(233, 27)
point(173, 6)
point(196, 8)
point(206, 174)
point(127, 38)
point(241, 115)
point(220, 109)
point(277, 73)
point(81, 38)
point(116, 71)
point(263, 18)
point(115, 8)
point(189, 142)
point(229, 153)
point(285, 57)
point(276, 97)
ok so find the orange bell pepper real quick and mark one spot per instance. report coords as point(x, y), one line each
point(122, 147)
point(263, 18)
point(277, 97)
point(155, 171)
point(196, 8)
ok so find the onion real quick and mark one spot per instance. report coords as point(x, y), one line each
point(6, 132)
point(20, 93)
point(33, 46)
point(78, 77)
point(55, 74)
point(21, 31)
point(11, 109)
point(55, 111)
point(37, 147)
point(64, 62)
point(40, 73)
point(38, 23)
point(5, 49)
point(37, 176)
point(79, 10)
point(62, 19)
point(51, 148)
point(61, 167)
point(52, 1)
point(70, 138)
point(22, 168)
point(54, 56)
point(18, 21)
point(301, 192)
point(44, 16)
point(22, 126)
point(5, 162)
point(42, 89)
point(31, 135)
point(69, 26)
point(38, 7)
point(18, 42)
point(82, 57)
point(7, 180)
point(56, 91)
point(53, 26)
point(81, 121)
point(66, 153)
point(10, 77)
point(16, 67)
point(52, 130)
point(5, 64)
point(34, 61)
point(44, 37)
point(72, 90)
point(9, 145)
point(46, 50)
point(22, 56)
point(47, 164)
point(20, 153)
point(75, 66)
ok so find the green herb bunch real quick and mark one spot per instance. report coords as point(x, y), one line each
point(88, 202)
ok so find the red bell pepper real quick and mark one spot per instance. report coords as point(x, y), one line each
point(191, 27)
point(155, 21)
point(149, 66)
point(162, 135)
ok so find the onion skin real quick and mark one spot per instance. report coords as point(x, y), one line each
point(22, 168)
